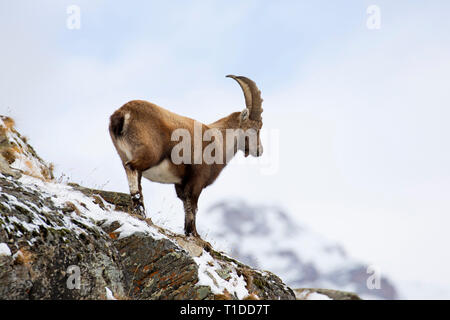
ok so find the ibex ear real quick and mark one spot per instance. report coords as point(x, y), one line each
point(244, 115)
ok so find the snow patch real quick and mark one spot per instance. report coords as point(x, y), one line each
point(208, 276)
point(87, 214)
point(4, 250)
point(268, 238)
point(109, 294)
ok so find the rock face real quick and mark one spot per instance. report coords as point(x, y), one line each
point(267, 237)
point(63, 241)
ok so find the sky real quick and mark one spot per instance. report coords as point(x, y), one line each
point(355, 119)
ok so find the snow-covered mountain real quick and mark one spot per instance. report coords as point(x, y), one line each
point(267, 237)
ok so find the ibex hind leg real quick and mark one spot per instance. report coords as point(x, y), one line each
point(134, 182)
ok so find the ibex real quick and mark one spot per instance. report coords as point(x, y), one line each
point(142, 135)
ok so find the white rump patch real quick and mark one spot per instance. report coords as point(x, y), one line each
point(125, 148)
point(126, 121)
point(161, 173)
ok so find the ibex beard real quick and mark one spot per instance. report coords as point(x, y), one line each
point(147, 139)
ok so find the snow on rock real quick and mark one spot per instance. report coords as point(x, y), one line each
point(4, 250)
point(159, 263)
point(109, 294)
point(317, 296)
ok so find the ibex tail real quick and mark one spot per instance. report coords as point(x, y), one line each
point(117, 123)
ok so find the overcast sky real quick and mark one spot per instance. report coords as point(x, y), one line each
point(356, 120)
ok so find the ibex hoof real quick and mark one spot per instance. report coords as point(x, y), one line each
point(192, 233)
point(138, 205)
point(140, 211)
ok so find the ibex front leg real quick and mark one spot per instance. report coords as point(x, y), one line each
point(190, 211)
point(134, 182)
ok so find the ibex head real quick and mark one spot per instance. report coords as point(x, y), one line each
point(250, 118)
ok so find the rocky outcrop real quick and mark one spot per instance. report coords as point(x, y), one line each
point(64, 241)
